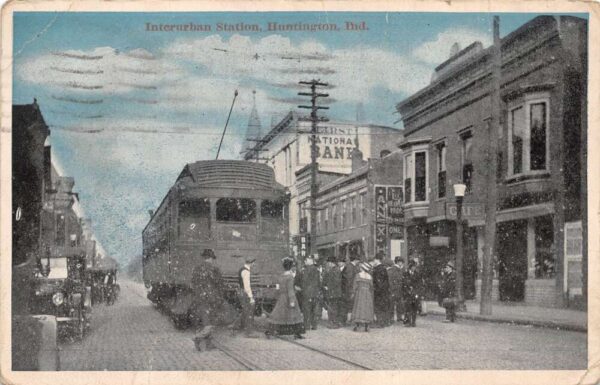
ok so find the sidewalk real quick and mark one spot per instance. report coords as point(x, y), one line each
point(565, 319)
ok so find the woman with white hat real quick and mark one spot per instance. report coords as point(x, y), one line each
point(362, 311)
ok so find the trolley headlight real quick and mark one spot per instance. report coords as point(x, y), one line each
point(58, 298)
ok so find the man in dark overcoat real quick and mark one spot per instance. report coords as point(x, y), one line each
point(381, 292)
point(208, 289)
point(446, 294)
point(309, 282)
point(348, 273)
point(395, 277)
point(412, 291)
point(332, 292)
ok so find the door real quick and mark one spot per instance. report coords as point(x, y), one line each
point(512, 260)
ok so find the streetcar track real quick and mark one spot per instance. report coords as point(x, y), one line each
point(326, 354)
point(253, 367)
point(236, 357)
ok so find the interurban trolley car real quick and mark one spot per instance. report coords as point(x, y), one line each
point(237, 209)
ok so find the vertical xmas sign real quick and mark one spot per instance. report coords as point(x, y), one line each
point(389, 216)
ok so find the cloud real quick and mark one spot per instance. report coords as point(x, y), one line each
point(275, 60)
point(100, 71)
point(436, 51)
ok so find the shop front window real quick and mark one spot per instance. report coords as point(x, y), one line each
point(544, 250)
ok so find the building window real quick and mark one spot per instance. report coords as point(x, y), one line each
point(408, 172)
point(61, 228)
point(363, 209)
point(415, 176)
point(441, 168)
point(343, 215)
point(420, 176)
point(303, 223)
point(466, 159)
point(326, 220)
point(527, 138)
point(353, 207)
point(334, 217)
point(318, 229)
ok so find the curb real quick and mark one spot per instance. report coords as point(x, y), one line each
point(534, 323)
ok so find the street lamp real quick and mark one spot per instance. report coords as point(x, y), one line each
point(459, 193)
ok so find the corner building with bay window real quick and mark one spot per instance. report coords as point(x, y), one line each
point(540, 253)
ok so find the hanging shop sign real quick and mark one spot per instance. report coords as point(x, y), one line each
point(470, 211)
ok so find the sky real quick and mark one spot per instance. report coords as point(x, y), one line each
point(129, 107)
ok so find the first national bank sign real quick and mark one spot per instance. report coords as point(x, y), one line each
point(334, 144)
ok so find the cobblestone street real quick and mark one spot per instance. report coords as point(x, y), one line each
point(133, 335)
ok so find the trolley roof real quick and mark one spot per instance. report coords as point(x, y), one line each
point(230, 174)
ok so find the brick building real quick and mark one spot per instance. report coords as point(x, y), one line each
point(541, 175)
point(359, 213)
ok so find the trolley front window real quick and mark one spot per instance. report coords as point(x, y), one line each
point(236, 210)
point(271, 210)
point(194, 220)
point(273, 222)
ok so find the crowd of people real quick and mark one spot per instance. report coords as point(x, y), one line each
point(356, 293)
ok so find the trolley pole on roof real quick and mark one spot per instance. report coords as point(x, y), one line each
point(313, 152)
point(235, 94)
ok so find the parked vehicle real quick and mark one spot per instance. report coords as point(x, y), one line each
point(237, 209)
point(61, 290)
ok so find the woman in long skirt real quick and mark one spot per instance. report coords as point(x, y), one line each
point(286, 318)
point(362, 311)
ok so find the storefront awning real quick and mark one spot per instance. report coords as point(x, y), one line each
point(525, 212)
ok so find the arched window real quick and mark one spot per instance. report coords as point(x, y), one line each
point(194, 219)
point(236, 210)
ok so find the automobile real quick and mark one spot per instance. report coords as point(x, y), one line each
point(61, 290)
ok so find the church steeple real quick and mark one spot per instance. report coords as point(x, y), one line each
point(253, 131)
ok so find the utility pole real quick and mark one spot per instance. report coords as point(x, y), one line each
point(313, 152)
point(490, 207)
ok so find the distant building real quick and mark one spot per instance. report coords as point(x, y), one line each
point(541, 177)
point(286, 148)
